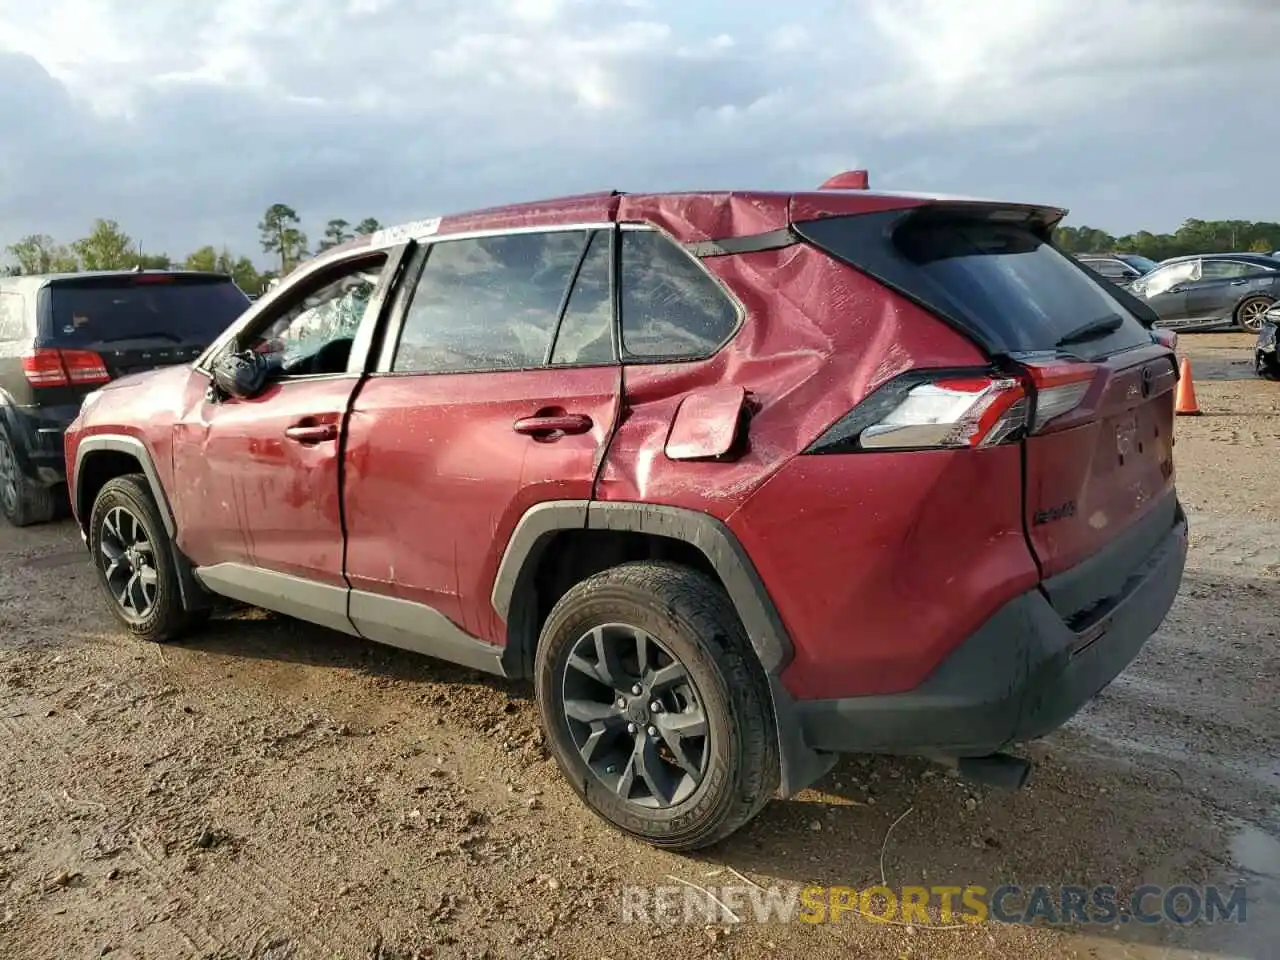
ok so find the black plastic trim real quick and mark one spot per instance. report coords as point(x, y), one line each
point(751, 243)
point(119, 443)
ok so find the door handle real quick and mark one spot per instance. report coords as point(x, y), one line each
point(1239, 283)
point(558, 423)
point(312, 432)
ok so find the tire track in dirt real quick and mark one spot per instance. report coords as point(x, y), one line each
point(255, 891)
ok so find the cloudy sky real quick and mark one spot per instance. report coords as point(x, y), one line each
point(184, 120)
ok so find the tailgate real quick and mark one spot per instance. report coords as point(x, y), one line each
point(1098, 447)
point(1098, 471)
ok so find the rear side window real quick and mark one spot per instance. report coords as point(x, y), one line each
point(489, 303)
point(671, 309)
point(1230, 270)
point(1012, 289)
point(12, 321)
point(1111, 269)
point(163, 307)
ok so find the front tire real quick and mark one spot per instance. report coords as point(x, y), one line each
point(134, 559)
point(22, 501)
point(655, 706)
point(1249, 313)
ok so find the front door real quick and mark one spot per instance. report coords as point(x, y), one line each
point(1164, 289)
point(257, 479)
point(487, 404)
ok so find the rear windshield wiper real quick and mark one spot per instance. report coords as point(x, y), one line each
point(1092, 330)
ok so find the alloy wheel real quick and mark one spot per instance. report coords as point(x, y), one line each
point(1251, 314)
point(128, 560)
point(635, 716)
point(8, 477)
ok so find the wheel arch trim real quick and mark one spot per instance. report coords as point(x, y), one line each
point(121, 443)
point(800, 765)
point(710, 536)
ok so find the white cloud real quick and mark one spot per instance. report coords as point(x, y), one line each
point(985, 62)
point(185, 121)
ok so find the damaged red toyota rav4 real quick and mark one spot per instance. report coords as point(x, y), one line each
point(743, 481)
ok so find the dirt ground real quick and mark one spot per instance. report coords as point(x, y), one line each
point(272, 790)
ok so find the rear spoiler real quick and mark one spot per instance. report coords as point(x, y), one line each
point(1040, 219)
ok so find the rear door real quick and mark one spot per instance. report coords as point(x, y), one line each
point(1098, 458)
point(1165, 290)
point(498, 390)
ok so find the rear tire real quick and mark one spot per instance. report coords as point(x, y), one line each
point(134, 560)
point(1249, 313)
point(660, 779)
point(23, 501)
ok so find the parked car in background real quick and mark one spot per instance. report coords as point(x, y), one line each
point(63, 336)
point(609, 443)
point(1266, 352)
point(1119, 268)
point(1218, 291)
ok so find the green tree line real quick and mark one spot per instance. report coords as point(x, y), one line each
point(108, 247)
point(1194, 236)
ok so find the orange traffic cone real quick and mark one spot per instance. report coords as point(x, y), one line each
point(1186, 405)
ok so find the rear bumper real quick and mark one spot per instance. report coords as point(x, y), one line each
point(1020, 676)
point(38, 432)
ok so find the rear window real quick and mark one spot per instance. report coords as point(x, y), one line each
point(1014, 291)
point(150, 307)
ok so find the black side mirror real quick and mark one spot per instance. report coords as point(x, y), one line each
point(242, 374)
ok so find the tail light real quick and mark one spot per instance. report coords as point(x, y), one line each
point(929, 410)
point(62, 368)
point(1167, 338)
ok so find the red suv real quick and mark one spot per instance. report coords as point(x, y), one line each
point(742, 480)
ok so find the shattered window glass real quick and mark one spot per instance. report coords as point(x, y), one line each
point(488, 303)
point(327, 316)
point(670, 307)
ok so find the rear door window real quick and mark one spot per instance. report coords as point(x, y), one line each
point(156, 307)
point(1009, 286)
point(489, 303)
point(1230, 270)
point(1111, 269)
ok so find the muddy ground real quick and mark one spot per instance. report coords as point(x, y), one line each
point(272, 790)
